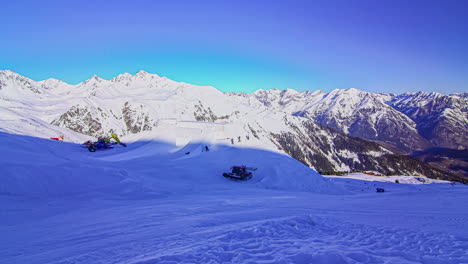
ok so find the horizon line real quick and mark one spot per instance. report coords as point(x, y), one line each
point(268, 89)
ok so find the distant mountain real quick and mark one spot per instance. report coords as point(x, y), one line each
point(322, 130)
point(441, 119)
point(329, 151)
point(353, 112)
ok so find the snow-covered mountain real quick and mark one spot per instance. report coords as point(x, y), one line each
point(295, 123)
point(351, 111)
point(441, 119)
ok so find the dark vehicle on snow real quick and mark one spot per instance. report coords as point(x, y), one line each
point(98, 145)
point(239, 173)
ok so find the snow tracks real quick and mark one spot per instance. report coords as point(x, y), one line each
point(308, 239)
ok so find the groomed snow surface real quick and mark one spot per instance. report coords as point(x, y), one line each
point(153, 203)
point(397, 178)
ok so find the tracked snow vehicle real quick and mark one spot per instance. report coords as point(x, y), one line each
point(242, 173)
point(98, 145)
point(103, 143)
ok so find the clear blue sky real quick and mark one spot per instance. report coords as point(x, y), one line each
point(235, 45)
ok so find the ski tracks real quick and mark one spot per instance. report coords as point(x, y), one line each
point(310, 239)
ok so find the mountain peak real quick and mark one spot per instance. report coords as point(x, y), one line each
point(347, 92)
point(259, 91)
point(353, 90)
point(127, 77)
point(289, 90)
point(94, 79)
point(8, 73)
point(143, 75)
point(122, 77)
point(52, 83)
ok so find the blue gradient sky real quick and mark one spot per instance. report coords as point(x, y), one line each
point(373, 45)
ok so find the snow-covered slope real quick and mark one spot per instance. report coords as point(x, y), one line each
point(24, 123)
point(394, 179)
point(273, 119)
point(46, 168)
point(152, 203)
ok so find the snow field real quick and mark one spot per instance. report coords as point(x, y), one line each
point(152, 203)
point(309, 239)
point(39, 167)
point(238, 226)
point(401, 178)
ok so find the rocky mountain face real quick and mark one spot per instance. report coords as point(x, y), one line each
point(353, 112)
point(81, 119)
point(330, 151)
point(441, 119)
point(326, 131)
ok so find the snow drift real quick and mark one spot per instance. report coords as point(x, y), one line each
point(46, 168)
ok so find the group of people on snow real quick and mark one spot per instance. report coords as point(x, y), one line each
point(239, 139)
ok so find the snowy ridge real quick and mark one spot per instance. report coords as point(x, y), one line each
point(442, 119)
point(120, 168)
point(162, 199)
point(129, 104)
point(354, 112)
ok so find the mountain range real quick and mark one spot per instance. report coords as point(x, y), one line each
point(342, 130)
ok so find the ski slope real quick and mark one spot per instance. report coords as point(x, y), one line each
point(153, 203)
point(404, 179)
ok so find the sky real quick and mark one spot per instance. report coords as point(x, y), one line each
point(235, 45)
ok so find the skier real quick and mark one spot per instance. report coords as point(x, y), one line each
point(247, 136)
point(238, 139)
point(232, 141)
point(207, 149)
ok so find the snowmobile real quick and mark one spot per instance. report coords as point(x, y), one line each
point(101, 144)
point(242, 173)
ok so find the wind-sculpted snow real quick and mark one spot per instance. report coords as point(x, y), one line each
point(153, 202)
point(47, 168)
point(309, 239)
